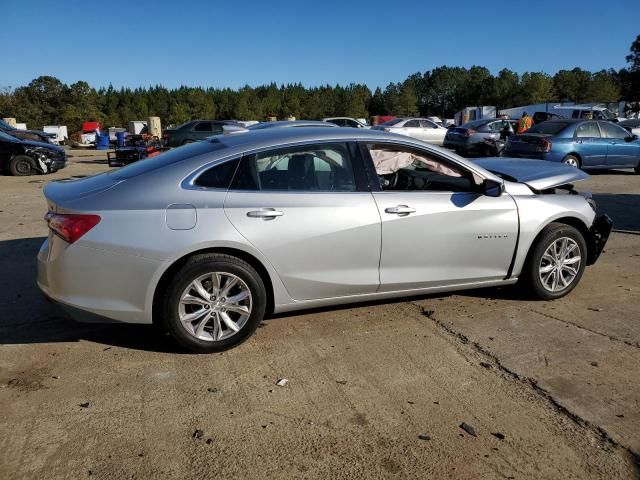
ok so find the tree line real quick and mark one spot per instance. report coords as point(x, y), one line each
point(441, 92)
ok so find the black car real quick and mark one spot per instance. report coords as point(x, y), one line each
point(26, 157)
point(35, 135)
point(193, 131)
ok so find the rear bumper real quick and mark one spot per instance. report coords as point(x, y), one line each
point(598, 236)
point(93, 285)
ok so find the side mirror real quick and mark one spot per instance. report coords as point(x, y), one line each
point(493, 188)
point(631, 138)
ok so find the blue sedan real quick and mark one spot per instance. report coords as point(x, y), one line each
point(581, 143)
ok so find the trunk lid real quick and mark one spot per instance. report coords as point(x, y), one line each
point(537, 174)
point(60, 193)
point(526, 142)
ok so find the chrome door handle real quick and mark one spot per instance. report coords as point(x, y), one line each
point(265, 213)
point(400, 210)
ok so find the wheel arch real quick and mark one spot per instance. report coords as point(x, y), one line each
point(173, 268)
point(575, 222)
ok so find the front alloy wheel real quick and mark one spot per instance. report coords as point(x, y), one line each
point(560, 264)
point(556, 262)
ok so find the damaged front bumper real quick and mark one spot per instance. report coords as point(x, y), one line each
point(598, 236)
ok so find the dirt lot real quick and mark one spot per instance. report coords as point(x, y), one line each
point(551, 389)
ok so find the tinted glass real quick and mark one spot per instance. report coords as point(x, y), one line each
point(309, 168)
point(219, 176)
point(551, 127)
point(427, 124)
point(412, 124)
point(392, 122)
point(588, 130)
point(203, 127)
point(609, 130)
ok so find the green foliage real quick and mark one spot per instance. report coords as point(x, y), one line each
point(441, 91)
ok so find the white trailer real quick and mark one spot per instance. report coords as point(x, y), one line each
point(60, 132)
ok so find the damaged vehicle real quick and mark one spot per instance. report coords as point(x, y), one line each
point(221, 233)
point(26, 157)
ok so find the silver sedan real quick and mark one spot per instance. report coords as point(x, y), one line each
point(420, 128)
point(207, 239)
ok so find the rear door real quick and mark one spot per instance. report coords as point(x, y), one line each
point(307, 208)
point(431, 132)
point(438, 229)
point(413, 129)
point(590, 145)
point(620, 153)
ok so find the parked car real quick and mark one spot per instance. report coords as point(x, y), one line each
point(193, 131)
point(222, 232)
point(588, 112)
point(632, 125)
point(420, 128)
point(346, 122)
point(579, 143)
point(35, 135)
point(26, 157)
point(291, 123)
point(472, 137)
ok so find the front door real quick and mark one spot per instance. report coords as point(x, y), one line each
point(304, 210)
point(620, 153)
point(437, 228)
point(590, 145)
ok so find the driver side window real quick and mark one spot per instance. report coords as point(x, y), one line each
point(401, 168)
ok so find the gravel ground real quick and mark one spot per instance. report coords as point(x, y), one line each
point(544, 389)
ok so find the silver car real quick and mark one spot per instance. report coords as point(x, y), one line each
point(420, 128)
point(207, 239)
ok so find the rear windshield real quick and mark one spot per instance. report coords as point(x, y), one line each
point(168, 158)
point(474, 124)
point(550, 128)
point(393, 122)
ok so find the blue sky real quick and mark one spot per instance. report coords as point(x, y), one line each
point(233, 43)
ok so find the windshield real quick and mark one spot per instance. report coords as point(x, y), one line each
point(549, 128)
point(7, 137)
point(392, 122)
point(5, 126)
point(608, 114)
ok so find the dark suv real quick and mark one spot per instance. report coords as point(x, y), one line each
point(194, 131)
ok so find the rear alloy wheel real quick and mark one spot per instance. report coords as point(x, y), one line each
point(556, 262)
point(21, 165)
point(571, 160)
point(214, 303)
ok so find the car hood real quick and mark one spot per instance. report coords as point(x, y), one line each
point(46, 146)
point(537, 174)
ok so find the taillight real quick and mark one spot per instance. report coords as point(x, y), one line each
point(470, 132)
point(544, 146)
point(70, 226)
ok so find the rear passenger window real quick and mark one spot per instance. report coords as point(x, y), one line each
point(219, 176)
point(203, 127)
point(589, 129)
point(309, 168)
point(412, 124)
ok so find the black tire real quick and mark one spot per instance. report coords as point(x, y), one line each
point(195, 267)
point(571, 159)
point(21, 166)
point(530, 278)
